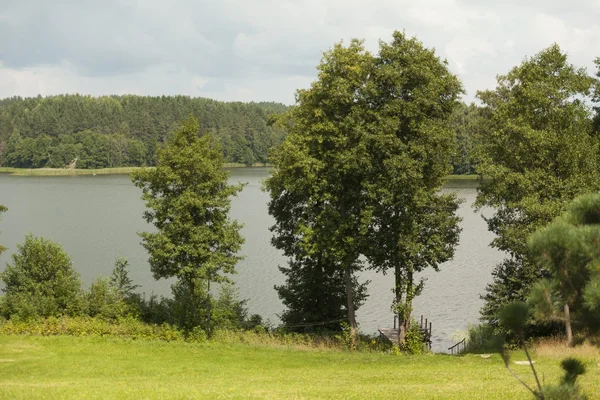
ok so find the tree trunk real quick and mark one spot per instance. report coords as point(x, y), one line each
point(568, 326)
point(399, 293)
point(350, 304)
point(209, 304)
point(408, 306)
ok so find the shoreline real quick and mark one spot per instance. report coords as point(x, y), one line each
point(9, 171)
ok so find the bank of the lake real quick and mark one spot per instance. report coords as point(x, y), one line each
point(102, 171)
point(129, 170)
point(96, 219)
point(99, 368)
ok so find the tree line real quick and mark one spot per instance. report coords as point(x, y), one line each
point(115, 131)
point(124, 131)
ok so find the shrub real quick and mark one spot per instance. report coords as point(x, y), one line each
point(484, 338)
point(40, 281)
point(415, 340)
point(103, 300)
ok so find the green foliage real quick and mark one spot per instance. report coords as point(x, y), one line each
point(103, 300)
point(568, 388)
point(568, 248)
point(514, 317)
point(228, 311)
point(484, 338)
point(40, 281)
point(537, 152)
point(573, 369)
point(368, 148)
point(465, 122)
point(408, 104)
point(414, 342)
point(120, 279)
point(188, 200)
point(126, 130)
point(314, 295)
point(316, 196)
point(346, 337)
point(86, 326)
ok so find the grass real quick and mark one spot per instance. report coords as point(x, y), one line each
point(58, 367)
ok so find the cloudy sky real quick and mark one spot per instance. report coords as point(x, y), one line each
point(263, 50)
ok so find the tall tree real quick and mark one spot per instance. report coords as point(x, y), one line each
point(538, 152)
point(568, 248)
point(316, 187)
point(411, 96)
point(189, 200)
point(464, 122)
point(360, 172)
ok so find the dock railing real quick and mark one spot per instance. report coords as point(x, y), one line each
point(456, 347)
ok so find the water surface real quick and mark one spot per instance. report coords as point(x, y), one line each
point(96, 219)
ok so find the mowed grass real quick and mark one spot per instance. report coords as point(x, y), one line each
point(106, 368)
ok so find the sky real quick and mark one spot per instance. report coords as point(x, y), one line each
point(263, 50)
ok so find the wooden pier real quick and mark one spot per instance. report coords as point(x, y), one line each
point(391, 334)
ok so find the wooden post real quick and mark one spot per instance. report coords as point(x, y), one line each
point(421, 326)
point(430, 336)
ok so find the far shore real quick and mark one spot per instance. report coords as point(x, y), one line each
point(102, 171)
point(128, 170)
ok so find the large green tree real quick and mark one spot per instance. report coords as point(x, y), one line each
point(188, 200)
point(359, 175)
point(410, 98)
point(40, 281)
point(568, 248)
point(538, 152)
point(316, 189)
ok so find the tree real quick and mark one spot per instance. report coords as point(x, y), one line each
point(538, 152)
point(359, 174)
point(120, 279)
point(464, 121)
point(189, 199)
point(316, 190)
point(41, 281)
point(411, 96)
point(568, 249)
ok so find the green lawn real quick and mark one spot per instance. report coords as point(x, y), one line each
point(106, 368)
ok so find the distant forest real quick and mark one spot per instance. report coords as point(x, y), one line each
point(122, 131)
point(116, 131)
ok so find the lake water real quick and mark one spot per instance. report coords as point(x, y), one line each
point(96, 219)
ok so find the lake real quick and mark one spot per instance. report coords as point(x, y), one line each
point(96, 219)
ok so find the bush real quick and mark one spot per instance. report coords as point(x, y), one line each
point(87, 326)
point(484, 338)
point(415, 340)
point(103, 300)
point(40, 282)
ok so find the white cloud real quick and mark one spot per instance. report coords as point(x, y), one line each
point(265, 49)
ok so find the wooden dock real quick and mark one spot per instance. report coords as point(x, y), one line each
point(391, 334)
